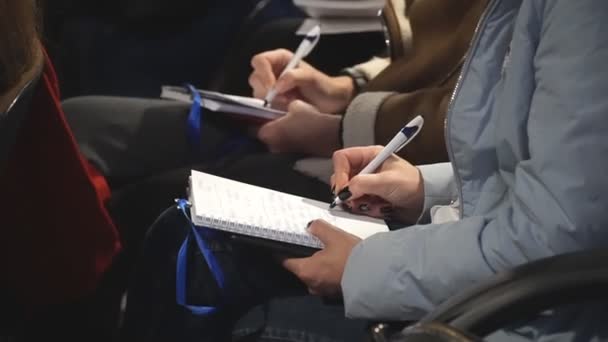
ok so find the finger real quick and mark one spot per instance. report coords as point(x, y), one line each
point(370, 184)
point(360, 205)
point(271, 63)
point(259, 90)
point(295, 78)
point(313, 291)
point(342, 169)
point(370, 206)
point(294, 265)
point(268, 132)
point(348, 162)
point(279, 59)
point(262, 71)
point(281, 102)
point(280, 257)
point(326, 232)
point(299, 106)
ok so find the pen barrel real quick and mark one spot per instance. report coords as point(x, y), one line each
point(385, 153)
point(270, 96)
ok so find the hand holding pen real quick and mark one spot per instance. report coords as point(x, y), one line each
point(329, 94)
point(374, 181)
point(306, 46)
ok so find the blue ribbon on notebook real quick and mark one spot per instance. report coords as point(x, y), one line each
point(194, 118)
point(182, 264)
point(195, 122)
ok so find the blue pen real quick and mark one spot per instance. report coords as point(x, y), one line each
point(402, 138)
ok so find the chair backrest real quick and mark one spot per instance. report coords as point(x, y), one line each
point(13, 117)
point(57, 236)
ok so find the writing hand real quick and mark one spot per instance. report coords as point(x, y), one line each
point(328, 94)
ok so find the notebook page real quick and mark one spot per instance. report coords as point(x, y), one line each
point(219, 102)
point(218, 106)
point(223, 200)
point(239, 100)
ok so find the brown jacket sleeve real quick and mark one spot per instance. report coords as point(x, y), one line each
point(398, 109)
point(442, 32)
point(424, 80)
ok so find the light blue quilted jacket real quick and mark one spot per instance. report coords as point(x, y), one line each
point(527, 133)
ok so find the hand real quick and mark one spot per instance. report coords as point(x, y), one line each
point(328, 94)
point(322, 272)
point(302, 130)
point(396, 189)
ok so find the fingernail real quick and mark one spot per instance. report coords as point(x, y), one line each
point(386, 210)
point(344, 194)
point(364, 207)
point(333, 190)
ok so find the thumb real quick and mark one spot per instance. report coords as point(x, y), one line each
point(268, 130)
point(368, 184)
point(325, 232)
point(299, 106)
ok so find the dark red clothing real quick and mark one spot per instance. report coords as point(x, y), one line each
point(57, 237)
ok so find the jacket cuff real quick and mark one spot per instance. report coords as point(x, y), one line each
point(372, 67)
point(439, 187)
point(359, 122)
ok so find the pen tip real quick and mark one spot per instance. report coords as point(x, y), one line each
point(332, 205)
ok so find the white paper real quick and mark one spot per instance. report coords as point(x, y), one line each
point(246, 209)
point(219, 102)
point(341, 25)
point(340, 8)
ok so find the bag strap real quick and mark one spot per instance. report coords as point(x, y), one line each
point(182, 264)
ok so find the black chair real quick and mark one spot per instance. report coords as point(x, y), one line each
point(10, 123)
point(510, 296)
point(12, 118)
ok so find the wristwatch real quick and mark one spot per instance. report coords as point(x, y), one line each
point(358, 77)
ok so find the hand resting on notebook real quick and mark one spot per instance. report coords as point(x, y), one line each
point(302, 130)
point(396, 185)
point(322, 272)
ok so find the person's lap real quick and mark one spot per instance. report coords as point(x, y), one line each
point(141, 146)
point(129, 139)
point(262, 300)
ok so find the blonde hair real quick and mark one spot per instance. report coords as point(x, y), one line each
point(18, 39)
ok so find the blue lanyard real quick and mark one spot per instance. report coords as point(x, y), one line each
point(194, 118)
point(200, 234)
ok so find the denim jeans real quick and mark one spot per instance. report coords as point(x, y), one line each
point(261, 301)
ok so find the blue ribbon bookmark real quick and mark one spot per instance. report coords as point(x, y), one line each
point(182, 264)
point(194, 118)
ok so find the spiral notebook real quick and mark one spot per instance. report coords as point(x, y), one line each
point(255, 212)
point(246, 107)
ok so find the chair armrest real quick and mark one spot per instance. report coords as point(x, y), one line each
point(525, 291)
